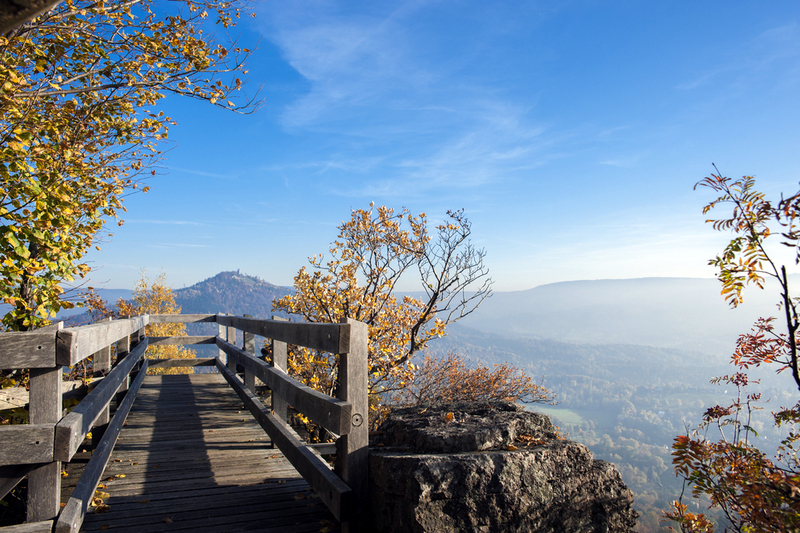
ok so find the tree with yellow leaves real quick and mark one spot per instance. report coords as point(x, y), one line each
point(79, 86)
point(153, 299)
point(375, 249)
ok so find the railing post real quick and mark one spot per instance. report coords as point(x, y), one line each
point(352, 450)
point(44, 481)
point(249, 346)
point(230, 336)
point(123, 349)
point(222, 333)
point(227, 333)
point(101, 362)
point(139, 336)
point(280, 360)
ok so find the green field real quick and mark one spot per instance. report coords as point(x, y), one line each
point(567, 416)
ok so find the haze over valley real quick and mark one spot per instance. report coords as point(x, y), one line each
point(630, 360)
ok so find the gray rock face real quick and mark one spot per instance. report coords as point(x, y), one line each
point(489, 467)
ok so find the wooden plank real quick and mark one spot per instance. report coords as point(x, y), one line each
point(11, 475)
point(136, 338)
point(123, 347)
point(72, 429)
point(175, 363)
point(101, 364)
point(44, 482)
point(45, 526)
point(267, 520)
point(352, 457)
point(334, 338)
point(331, 413)
point(182, 319)
point(324, 448)
point(26, 444)
point(187, 340)
point(222, 333)
point(230, 336)
point(249, 346)
point(280, 359)
point(330, 488)
point(71, 518)
point(19, 397)
point(210, 485)
point(76, 344)
point(28, 349)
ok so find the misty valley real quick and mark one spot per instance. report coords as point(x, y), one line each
point(617, 354)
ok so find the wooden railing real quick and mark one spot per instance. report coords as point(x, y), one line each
point(37, 449)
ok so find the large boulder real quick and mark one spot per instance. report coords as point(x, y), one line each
point(493, 467)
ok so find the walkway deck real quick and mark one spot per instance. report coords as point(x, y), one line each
point(191, 459)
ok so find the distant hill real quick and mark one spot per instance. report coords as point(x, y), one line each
point(230, 292)
point(227, 292)
point(684, 313)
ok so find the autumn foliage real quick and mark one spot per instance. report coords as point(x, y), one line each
point(149, 298)
point(757, 493)
point(453, 378)
point(79, 86)
point(374, 250)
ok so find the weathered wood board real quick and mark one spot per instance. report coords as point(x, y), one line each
point(330, 413)
point(191, 458)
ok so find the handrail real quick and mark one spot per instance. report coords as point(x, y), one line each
point(71, 518)
point(38, 449)
point(76, 344)
point(72, 429)
point(28, 349)
point(333, 338)
point(328, 486)
point(331, 413)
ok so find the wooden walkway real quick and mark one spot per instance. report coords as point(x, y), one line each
point(190, 458)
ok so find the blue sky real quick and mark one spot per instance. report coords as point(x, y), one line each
point(571, 133)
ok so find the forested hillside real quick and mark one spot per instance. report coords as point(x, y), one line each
point(230, 292)
point(626, 402)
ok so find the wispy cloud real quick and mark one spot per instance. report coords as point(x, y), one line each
point(348, 59)
point(199, 173)
point(165, 222)
point(776, 45)
point(625, 162)
point(374, 79)
point(178, 245)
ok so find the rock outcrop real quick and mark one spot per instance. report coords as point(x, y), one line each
point(489, 467)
